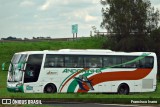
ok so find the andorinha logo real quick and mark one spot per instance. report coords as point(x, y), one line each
point(82, 71)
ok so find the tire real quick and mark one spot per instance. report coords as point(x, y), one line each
point(123, 89)
point(50, 88)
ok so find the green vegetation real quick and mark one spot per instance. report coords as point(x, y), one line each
point(7, 49)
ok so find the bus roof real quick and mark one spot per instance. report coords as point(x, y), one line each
point(84, 52)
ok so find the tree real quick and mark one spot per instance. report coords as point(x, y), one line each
point(130, 23)
point(155, 44)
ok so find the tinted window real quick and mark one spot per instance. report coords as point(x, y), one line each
point(54, 61)
point(74, 61)
point(93, 61)
point(127, 62)
point(35, 59)
point(109, 61)
point(130, 62)
point(146, 62)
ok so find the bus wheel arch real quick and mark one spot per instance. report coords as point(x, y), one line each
point(50, 88)
point(123, 88)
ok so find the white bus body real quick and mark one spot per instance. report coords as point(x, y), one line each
point(89, 70)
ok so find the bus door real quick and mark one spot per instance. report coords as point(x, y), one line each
point(32, 72)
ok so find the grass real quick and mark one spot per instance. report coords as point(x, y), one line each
point(7, 50)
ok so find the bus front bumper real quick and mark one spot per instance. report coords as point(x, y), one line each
point(18, 88)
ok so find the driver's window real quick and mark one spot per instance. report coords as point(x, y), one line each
point(33, 67)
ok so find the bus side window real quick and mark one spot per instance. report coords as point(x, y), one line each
point(146, 62)
point(106, 62)
point(149, 62)
point(93, 61)
point(49, 62)
point(80, 63)
point(129, 62)
point(74, 61)
point(112, 61)
point(142, 63)
point(53, 61)
point(59, 61)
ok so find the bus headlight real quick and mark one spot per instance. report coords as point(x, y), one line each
point(19, 84)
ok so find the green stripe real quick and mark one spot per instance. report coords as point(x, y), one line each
point(67, 78)
point(129, 62)
point(64, 81)
point(74, 84)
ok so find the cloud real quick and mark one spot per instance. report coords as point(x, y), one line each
point(84, 15)
point(27, 3)
point(157, 6)
point(47, 5)
point(155, 2)
point(89, 18)
point(95, 1)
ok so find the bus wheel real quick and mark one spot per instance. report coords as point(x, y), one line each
point(123, 89)
point(50, 88)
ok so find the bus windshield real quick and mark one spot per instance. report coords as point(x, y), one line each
point(14, 74)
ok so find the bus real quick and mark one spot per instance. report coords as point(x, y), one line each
point(87, 70)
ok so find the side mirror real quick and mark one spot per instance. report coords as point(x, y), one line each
point(3, 66)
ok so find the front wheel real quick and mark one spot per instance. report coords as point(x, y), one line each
point(50, 88)
point(123, 89)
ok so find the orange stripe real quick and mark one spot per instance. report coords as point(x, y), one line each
point(72, 77)
point(114, 76)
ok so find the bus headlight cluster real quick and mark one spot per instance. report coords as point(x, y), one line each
point(19, 84)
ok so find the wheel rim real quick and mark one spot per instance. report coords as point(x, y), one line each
point(49, 89)
point(123, 90)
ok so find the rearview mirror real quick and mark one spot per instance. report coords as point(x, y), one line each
point(4, 65)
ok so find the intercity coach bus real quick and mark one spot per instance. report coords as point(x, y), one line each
point(90, 70)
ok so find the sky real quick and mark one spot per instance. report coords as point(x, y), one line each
point(50, 18)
